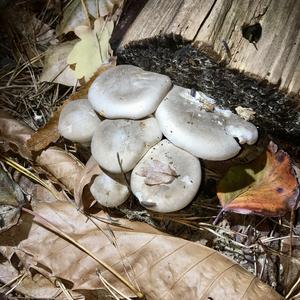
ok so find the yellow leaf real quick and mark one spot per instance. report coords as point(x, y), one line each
point(92, 50)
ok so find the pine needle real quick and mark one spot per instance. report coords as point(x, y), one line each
point(47, 224)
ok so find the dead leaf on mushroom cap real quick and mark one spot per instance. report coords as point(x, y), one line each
point(267, 186)
point(157, 172)
point(163, 267)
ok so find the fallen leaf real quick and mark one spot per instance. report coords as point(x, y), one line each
point(92, 50)
point(56, 68)
point(291, 265)
point(163, 267)
point(73, 15)
point(266, 186)
point(83, 179)
point(13, 135)
point(36, 286)
point(11, 201)
point(157, 173)
point(64, 166)
point(49, 133)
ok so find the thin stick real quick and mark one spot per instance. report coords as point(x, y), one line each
point(16, 285)
point(50, 226)
point(123, 173)
point(288, 295)
point(64, 290)
point(85, 11)
point(29, 174)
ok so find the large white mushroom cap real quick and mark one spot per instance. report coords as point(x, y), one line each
point(78, 121)
point(196, 124)
point(131, 139)
point(109, 190)
point(128, 92)
point(167, 178)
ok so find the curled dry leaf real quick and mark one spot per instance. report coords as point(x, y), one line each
point(64, 166)
point(49, 133)
point(158, 172)
point(14, 135)
point(163, 267)
point(267, 186)
point(56, 68)
point(11, 201)
point(92, 50)
point(83, 179)
point(74, 15)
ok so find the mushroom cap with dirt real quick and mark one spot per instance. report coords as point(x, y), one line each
point(78, 121)
point(128, 92)
point(109, 190)
point(127, 139)
point(166, 179)
point(195, 124)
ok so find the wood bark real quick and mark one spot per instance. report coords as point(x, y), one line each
point(243, 53)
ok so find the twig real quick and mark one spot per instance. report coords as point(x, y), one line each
point(63, 289)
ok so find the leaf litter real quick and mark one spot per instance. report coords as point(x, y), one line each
point(232, 235)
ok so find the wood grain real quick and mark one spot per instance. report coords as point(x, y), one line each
point(212, 25)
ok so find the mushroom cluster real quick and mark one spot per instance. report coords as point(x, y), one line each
point(155, 133)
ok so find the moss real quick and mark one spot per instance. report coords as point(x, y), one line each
point(276, 113)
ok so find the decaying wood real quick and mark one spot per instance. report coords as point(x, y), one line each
point(240, 52)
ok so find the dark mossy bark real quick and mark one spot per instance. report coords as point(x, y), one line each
point(276, 113)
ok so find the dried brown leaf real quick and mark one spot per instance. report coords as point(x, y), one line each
point(157, 172)
point(164, 267)
point(49, 133)
point(14, 135)
point(83, 179)
point(11, 201)
point(64, 166)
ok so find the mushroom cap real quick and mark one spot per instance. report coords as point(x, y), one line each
point(167, 178)
point(128, 92)
point(197, 125)
point(109, 190)
point(78, 121)
point(131, 139)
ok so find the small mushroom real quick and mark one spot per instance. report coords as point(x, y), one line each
point(194, 123)
point(166, 179)
point(128, 92)
point(128, 139)
point(78, 121)
point(109, 190)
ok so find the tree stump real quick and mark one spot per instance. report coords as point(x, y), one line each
point(242, 53)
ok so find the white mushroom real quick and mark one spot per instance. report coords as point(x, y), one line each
point(167, 178)
point(130, 139)
point(195, 124)
point(109, 190)
point(128, 92)
point(78, 121)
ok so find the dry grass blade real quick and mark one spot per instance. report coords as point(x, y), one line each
point(51, 227)
point(64, 290)
point(27, 173)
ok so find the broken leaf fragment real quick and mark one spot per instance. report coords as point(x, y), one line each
point(158, 173)
point(73, 14)
point(267, 186)
point(11, 200)
point(92, 50)
point(56, 68)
